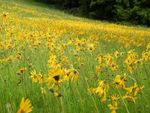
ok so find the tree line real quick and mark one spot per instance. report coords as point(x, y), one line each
point(134, 11)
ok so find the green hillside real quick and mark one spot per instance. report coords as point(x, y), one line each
point(52, 62)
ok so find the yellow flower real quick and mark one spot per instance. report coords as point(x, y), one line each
point(52, 61)
point(21, 71)
point(99, 58)
point(120, 81)
point(18, 56)
point(114, 105)
point(134, 90)
point(108, 59)
point(101, 90)
point(25, 106)
point(5, 15)
point(145, 56)
point(72, 73)
point(90, 47)
point(113, 66)
point(99, 69)
point(129, 98)
point(57, 94)
point(33, 76)
point(36, 77)
point(131, 61)
point(116, 54)
point(112, 108)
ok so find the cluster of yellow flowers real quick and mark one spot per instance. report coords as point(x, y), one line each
point(56, 76)
point(107, 83)
point(122, 92)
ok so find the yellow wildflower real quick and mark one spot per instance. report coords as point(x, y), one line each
point(120, 81)
point(25, 106)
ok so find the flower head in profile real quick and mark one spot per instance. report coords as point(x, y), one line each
point(21, 70)
point(25, 106)
point(120, 81)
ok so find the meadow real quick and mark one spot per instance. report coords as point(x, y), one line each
point(52, 62)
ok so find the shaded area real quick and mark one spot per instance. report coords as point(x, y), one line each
point(132, 11)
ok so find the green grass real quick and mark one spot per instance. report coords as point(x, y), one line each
point(75, 95)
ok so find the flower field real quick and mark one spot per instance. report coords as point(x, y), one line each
point(51, 62)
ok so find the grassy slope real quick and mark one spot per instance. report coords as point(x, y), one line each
point(76, 98)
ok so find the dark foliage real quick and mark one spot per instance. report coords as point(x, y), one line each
point(134, 11)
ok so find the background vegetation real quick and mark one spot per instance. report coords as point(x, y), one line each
point(134, 11)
